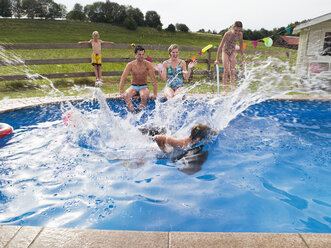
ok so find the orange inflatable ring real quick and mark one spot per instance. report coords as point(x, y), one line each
point(5, 130)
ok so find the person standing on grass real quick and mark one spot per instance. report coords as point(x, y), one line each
point(96, 55)
point(175, 70)
point(139, 70)
point(228, 47)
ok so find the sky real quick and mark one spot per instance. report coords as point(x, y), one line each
point(216, 15)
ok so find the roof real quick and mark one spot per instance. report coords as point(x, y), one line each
point(291, 40)
point(312, 22)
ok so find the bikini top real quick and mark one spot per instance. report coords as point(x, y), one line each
point(175, 74)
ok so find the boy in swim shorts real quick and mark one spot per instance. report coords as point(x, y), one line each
point(96, 55)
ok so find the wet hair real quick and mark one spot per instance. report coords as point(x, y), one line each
point(172, 47)
point(95, 33)
point(138, 48)
point(200, 131)
point(237, 24)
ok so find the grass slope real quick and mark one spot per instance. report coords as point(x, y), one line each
point(20, 31)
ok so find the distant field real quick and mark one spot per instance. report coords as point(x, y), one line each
point(49, 31)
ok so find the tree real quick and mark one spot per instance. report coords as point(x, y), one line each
point(29, 8)
point(114, 13)
point(77, 13)
point(5, 8)
point(171, 28)
point(201, 30)
point(56, 10)
point(130, 23)
point(152, 19)
point(95, 12)
point(136, 14)
point(17, 8)
point(182, 27)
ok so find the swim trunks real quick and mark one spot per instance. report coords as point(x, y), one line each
point(138, 87)
point(175, 76)
point(96, 59)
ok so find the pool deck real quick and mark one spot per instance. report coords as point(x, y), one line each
point(34, 236)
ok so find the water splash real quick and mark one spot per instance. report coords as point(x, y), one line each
point(85, 171)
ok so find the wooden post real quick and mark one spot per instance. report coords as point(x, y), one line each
point(208, 64)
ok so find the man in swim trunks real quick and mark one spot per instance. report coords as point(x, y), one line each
point(139, 70)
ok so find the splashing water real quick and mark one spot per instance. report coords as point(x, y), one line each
point(81, 174)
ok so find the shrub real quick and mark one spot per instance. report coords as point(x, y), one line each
point(171, 28)
point(130, 23)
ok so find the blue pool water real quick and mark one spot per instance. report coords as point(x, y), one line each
point(268, 170)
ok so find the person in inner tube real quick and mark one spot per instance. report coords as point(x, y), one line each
point(199, 132)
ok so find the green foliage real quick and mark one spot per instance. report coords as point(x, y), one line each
point(136, 14)
point(159, 28)
point(182, 27)
point(152, 19)
point(5, 8)
point(171, 28)
point(77, 13)
point(130, 23)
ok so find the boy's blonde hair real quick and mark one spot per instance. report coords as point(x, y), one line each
point(172, 47)
point(95, 33)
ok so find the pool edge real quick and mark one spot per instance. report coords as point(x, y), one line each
point(8, 105)
point(35, 236)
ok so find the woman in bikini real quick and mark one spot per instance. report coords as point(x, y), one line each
point(228, 46)
point(175, 69)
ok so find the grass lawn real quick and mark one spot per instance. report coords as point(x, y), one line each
point(50, 31)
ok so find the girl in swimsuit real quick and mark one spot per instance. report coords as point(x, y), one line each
point(227, 46)
point(175, 69)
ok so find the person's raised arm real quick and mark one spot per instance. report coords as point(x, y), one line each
point(107, 42)
point(84, 42)
point(186, 74)
point(124, 76)
point(163, 74)
point(152, 75)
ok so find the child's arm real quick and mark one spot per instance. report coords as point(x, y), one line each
point(84, 42)
point(107, 42)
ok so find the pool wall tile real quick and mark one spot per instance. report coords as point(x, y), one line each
point(317, 240)
point(249, 240)
point(25, 236)
point(7, 233)
point(59, 237)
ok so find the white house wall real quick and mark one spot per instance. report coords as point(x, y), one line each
point(310, 46)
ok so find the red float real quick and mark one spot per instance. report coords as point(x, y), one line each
point(5, 130)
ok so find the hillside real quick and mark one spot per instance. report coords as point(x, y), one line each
point(65, 31)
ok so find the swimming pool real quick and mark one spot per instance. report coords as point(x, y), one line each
point(267, 171)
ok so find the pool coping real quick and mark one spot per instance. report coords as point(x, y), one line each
point(36, 236)
point(7, 105)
